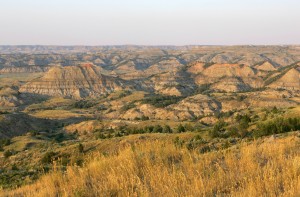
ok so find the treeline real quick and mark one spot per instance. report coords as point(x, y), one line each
point(123, 131)
point(278, 125)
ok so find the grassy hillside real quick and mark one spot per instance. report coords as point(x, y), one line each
point(154, 166)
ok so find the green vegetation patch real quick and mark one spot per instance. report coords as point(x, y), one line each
point(276, 126)
point(161, 101)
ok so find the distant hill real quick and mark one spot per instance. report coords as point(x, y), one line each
point(81, 81)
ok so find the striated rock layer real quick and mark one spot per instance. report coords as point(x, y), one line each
point(74, 81)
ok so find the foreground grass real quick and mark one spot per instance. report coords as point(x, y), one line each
point(269, 167)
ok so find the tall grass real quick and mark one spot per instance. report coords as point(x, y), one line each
point(262, 168)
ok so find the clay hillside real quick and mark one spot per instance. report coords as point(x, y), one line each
point(81, 81)
point(116, 87)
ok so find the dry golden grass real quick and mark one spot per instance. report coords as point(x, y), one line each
point(57, 114)
point(57, 101)
point(293, 112)
point(15, 78)
point(84, 126)
point(260, 168)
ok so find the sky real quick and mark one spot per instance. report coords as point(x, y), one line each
point(149, 22)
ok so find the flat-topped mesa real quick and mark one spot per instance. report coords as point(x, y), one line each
point(85, 80)
point(24, 69)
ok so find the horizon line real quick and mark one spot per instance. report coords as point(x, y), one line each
point(147, 45)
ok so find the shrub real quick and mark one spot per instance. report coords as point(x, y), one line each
point(33, 133)
point(195, 142)
point(225, 114)
point(205, 149)
point(83, 104)
point(124, 94)
point(59, 137)
point(143, 118)
point(243, 120)
point(48, 157)
point(237, 131)
point(100, 136)
point(167, 129)
point(218, 129)
point(64, 160)
point(188, 127)
point(202, 89)
point(178, 142)
point(14, 167)
point(233, 131)
point(158, 129)
point(149, 129)
point(5, 142)
point(241, 97)
point(274, 110)
point(8, 153)
point(127, 106)
point(80, 148)
point(180, 128)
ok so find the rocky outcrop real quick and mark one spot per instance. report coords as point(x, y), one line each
point(226, 77)
point(231, 84)
point(74, 81)
point(149, 111)
point(9, 101)
point(190, 107)
point(9, 97)
point(195, 106)
point(176, 83)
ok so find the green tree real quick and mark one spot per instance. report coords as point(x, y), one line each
point(157, 129)
point(167, 129)
point(47, 158)
point(180, 128)
point(143, 118)
point(218, 129)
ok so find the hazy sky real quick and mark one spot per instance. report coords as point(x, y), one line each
point(149, 22)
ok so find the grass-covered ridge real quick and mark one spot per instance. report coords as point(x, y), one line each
point(248, 169)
